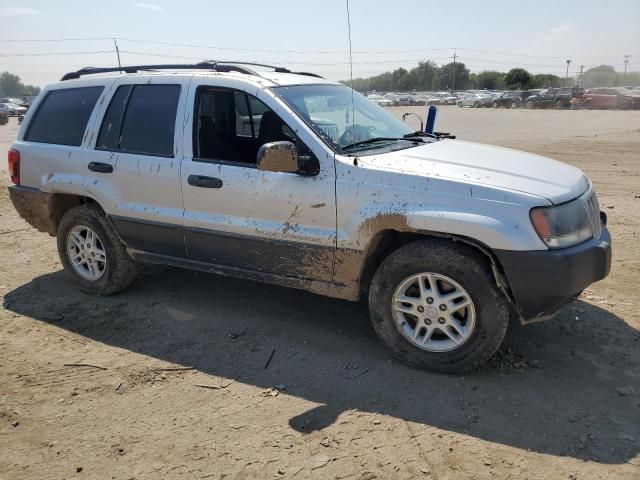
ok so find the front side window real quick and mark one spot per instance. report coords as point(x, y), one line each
point(62, 117)
point(231, 125)
point(344, 118)
point(141, 119)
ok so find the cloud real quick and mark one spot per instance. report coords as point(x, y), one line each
point(17, 11)
point(149, 6)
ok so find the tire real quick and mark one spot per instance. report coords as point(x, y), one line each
point(476, 105)
point(460, 104)
point(514, 105)
point(529, 104)
point(466, 267)
point(494, 104)
point(559, 104)
point(118, 270)
point(588, 105)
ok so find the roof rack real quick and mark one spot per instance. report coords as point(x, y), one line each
point(228, 66)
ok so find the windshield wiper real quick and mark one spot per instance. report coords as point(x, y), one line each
point(376, 139)
point(436, 135)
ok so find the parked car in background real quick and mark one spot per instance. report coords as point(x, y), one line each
point(403, 101)
point(4, 117)
point(514, 99)
point(15, 101)
point(554, 97)
point(613, 97)
point(12, 109)
point(475, 100)
point(447, 98)
point(418, 100)
point(384, 102)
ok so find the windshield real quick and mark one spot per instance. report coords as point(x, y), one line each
point(329, 111)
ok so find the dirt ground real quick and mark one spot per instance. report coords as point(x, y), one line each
point(561, 400)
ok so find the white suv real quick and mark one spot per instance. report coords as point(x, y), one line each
point(295, 180)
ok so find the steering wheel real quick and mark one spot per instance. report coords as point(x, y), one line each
point(355, 133)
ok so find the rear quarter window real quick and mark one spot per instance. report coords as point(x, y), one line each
point(62, 117)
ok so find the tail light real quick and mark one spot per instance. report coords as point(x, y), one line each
point(14, 166)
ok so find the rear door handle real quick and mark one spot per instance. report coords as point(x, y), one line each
point(204, 182)
point(100, 167)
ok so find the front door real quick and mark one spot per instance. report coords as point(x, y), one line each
point(238, 216)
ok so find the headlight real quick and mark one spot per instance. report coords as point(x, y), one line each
point(565, 225)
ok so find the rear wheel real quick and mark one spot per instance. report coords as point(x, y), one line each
point(436, 306)
point(91, 252)
point(460, 104)
point(476, 105)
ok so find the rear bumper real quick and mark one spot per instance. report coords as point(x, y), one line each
point(543, 281)
point(35, 207)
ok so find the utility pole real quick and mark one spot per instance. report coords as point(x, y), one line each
point(581, 68)
point(566, 80)
point(118, 54)
point(626, 62)
point(453, 80)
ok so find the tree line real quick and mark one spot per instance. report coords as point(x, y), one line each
point(12, 86)
point(429, 76)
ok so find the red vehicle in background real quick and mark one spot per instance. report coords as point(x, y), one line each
point(610, 97)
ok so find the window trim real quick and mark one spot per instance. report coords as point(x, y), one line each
point(41, 104)
point(124, 114)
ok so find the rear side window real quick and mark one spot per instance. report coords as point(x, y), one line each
point(62, 116)
point(141, 119)
point(109, 136)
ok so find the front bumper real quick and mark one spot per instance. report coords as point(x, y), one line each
point(543, 281)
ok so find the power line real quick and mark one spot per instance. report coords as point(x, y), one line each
point(379, 62)
point(217, 47)
point(44, 54)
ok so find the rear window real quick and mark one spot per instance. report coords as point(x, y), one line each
point(62, 116)
point(141, 119)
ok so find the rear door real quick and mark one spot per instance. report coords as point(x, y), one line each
point(241, 217)
point(133, 167)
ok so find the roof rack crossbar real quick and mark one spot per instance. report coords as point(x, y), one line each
point(226, 66)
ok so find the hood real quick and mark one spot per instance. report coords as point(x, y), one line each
point(487, 165)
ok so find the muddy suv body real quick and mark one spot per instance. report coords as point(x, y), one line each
point(294, 180)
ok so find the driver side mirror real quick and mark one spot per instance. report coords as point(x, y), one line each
point(283, 157)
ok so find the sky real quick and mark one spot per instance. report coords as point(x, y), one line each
point(313, 36)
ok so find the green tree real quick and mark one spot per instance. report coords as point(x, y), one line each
point(490, 79)
point(447, 73)
point(518, 78)
point(12, 86)
point(546, 80)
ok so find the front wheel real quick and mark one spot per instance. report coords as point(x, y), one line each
point(436, 306)
point(460, 104)
point(91, 252)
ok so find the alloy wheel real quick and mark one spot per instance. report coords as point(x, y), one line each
point(433, 312)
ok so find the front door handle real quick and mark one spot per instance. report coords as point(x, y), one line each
point(100, 167)
point(204, 182)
